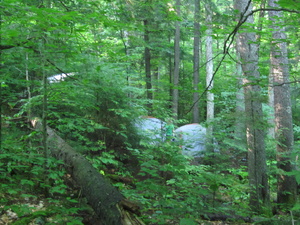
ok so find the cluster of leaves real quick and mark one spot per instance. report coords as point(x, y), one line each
point(26, 176)
point(172, 187)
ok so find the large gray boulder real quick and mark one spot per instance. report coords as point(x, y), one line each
point(192, 137)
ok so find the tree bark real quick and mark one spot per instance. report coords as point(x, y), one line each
point(1, 99)
point(257, 168)
point(196, 61)
point(271, 130)
point(171, 77)
point(209, 76)
point(44, 123)
point(287, 189)
point(240, 128)
point(0, 114)
point(147, 57)
point(176, 63)
point(111, 207)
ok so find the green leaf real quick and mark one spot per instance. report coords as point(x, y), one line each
point(28, 196)
point(187, 221)
point(12, 191)
point(29, 182)
point(171, 181)
point(61, 189)
point(72, 200)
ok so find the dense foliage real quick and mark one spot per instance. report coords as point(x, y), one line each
point(98, 46)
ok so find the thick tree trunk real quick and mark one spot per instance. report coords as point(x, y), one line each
point(196, 61)
point(257, 168)
point(107, 202)
point(284, 135)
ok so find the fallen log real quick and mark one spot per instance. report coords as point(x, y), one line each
point(108, 203)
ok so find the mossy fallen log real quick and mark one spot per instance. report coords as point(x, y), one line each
point(107, 202)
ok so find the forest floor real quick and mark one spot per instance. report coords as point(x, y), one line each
point(33, 212)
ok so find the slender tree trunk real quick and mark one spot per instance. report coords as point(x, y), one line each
point(0, 113)
point(170, 76)
point(257, 168)
point(271, 130)
point(44, 123)
point(124, 37)
point(175, 99)
point(155, 59)
point(147, 57)
point(196, 61)
point(209, 75)
point(44, 116)
point(283, 109)
point(28, 85)
point(240, 128)
point(1, 98)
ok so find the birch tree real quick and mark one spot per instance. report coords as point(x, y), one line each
point(209, 71)
point(196, 60)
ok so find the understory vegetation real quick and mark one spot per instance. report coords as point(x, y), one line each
point(170, 188)
point(91, 69)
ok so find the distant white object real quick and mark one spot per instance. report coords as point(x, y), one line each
point(59, 77)
point(193, 138)
point(151, 128)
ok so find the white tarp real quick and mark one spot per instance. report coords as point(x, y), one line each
point(59, 77)
point(193, 138)
point(151, 128)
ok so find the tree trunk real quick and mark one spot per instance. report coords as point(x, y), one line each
point(171, 77)
point(28, 83)
point(41, 71)
point(0, 113)
point(196, 61)
point(124, 35)
point(257, 168)
point(271, 130)
point(283, 109)
point(176, 64)
point(209, 76)
point(1, 100)
point(108, 204)
point(240, 128)
point(147, 57)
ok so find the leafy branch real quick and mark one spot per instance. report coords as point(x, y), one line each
point(21, 44)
